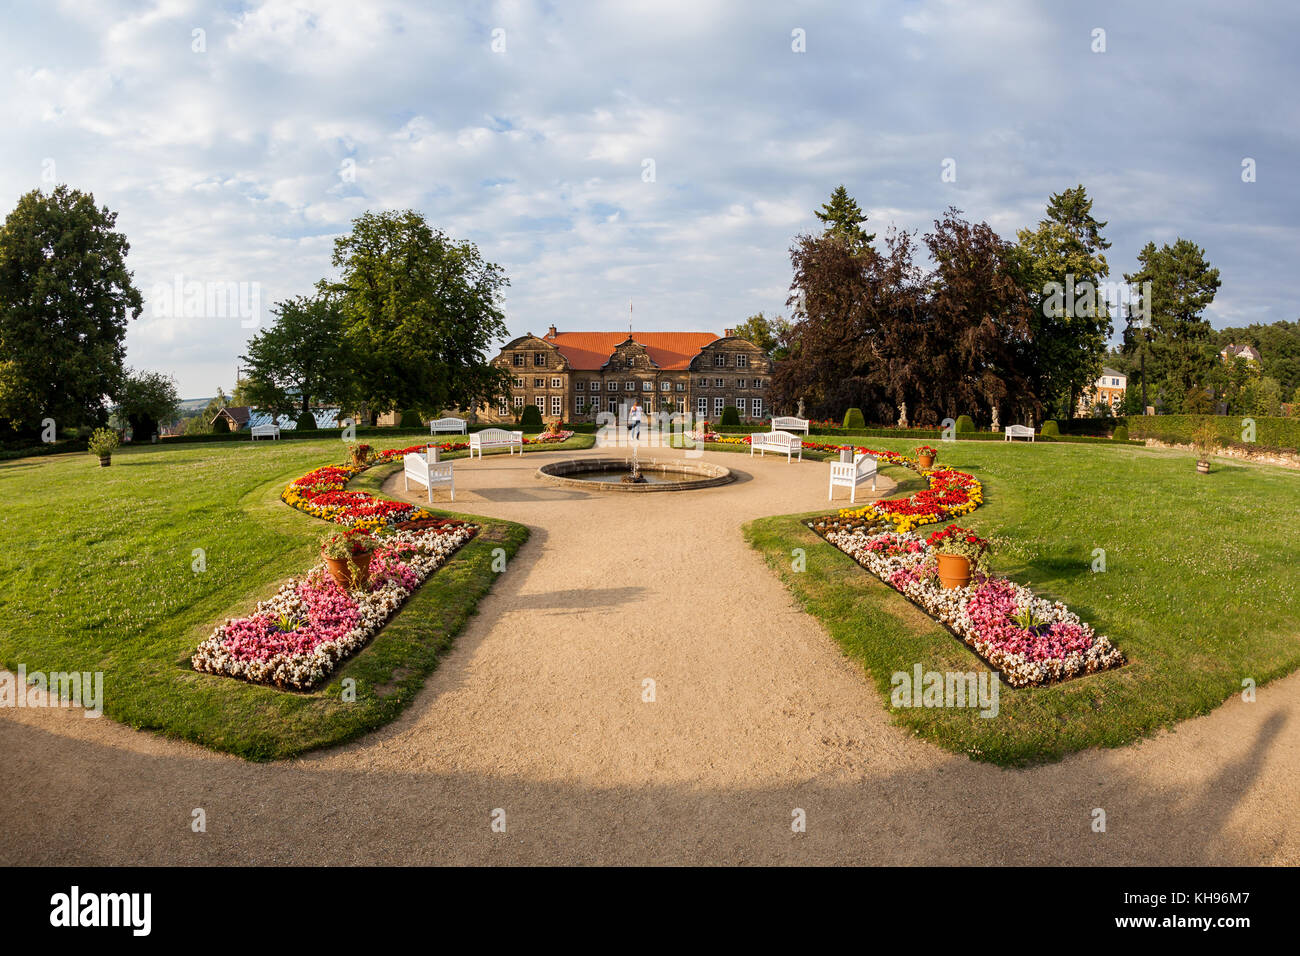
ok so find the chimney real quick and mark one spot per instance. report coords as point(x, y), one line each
point(728, 333)
point(550, 333)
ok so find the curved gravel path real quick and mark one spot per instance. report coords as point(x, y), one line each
point(538, 711)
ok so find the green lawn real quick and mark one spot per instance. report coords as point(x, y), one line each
point(1200, 590)
point(97, 576)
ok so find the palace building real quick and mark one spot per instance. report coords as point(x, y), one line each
point(576, 375)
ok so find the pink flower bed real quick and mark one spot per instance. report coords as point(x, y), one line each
point(989, 615)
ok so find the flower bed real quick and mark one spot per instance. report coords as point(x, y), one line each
point(297, 637)
point(1028, 639)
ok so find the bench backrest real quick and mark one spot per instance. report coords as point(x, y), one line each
point(415, 464)
point(789, 421)
point(440, 423)
point(497, 435)
point(265, 429)
point(1023, 431)
point(866, 464)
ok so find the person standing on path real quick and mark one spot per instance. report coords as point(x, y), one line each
point(634, 421)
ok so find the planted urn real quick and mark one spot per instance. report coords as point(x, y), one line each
point(959, 553)
point(103, 442)
point(347, 556)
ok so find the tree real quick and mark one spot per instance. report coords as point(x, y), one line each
point(843, 219)
point(146, 400)
point(764, 332)
point(302, 357)
point(65, 299)
point(1169, 318)
point(1061, 269)
point(420, 314)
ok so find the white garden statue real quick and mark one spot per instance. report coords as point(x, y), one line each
point(902, 414)
point(995, 419)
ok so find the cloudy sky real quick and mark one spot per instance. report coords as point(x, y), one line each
point(237, 154)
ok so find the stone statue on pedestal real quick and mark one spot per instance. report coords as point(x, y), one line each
point(902, 414)
point(996, 427)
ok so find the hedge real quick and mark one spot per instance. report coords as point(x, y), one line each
point(1178, 429)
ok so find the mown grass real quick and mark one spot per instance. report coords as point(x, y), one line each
point(98, 573)
point(1199, 590)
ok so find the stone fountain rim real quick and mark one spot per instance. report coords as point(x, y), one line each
point(712, 475)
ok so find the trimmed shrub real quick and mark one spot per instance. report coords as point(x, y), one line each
point(964, 424)
point(221, 426)
point(531, 419)
point(411, 419)
point(730, 416)
point(1049, 429)
point(853, 419)
point(307, 422)
point(1120, 434)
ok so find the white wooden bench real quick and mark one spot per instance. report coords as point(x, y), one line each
point(427, 473)
point(789, 423)
point(850, 474)
point(456, 425)
point(1020, 431)
point(271, 430)
point(495, 438)
point(783, 443)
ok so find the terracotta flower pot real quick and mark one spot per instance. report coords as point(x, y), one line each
point(954, 570)
point(105, 461)
point(345, 572)
point(1203, 466)
point(925, 461)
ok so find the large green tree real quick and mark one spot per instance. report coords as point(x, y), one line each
point(66, 296)
point(301, 358)
point(1167, 320)
point(843, 219)
point(420, 314)
point(764, 332)
point(145, 401)
point(1062, 267)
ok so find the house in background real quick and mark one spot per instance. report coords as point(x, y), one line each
point(1108, 389)
point(1247, 352)
point(236, 416)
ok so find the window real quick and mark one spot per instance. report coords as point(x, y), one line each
point(539, 359)
point(580, 404)
point(647, 386)
point(740, 383)
point(704, 383)
point(519, 401)
point(681, 386)
point(757, 405)
point(717, 383)
point(556, 383)
point(595, 386)
point(539, 383)
point(503, 408)
point(758, 383)
point(540, 402)
point(519, 358)
point(720, 360)
point(718, 405)
point(581, 385)
point(629, 386)
point(702, 407)
point(1115, 382)
point(665, 386)
point(742, 361)
point(519, 382)
point(557, 404)
point(613, 406)
point(681, 405)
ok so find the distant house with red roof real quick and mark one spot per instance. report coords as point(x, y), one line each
point(576, 375)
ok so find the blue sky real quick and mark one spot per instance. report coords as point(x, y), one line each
point(240, 158)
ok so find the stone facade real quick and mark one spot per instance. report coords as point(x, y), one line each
point(576, 375)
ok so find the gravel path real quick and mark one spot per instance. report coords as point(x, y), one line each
point(539, 711)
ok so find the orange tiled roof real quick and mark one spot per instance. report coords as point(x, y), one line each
point(668, 350)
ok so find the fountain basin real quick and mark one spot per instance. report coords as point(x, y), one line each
point(605, 474)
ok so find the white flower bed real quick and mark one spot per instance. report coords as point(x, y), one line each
point(1060, 647)
point(251, 649)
